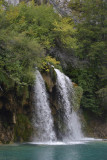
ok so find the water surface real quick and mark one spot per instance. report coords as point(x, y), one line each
point(88, 151)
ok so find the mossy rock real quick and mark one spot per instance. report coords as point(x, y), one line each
point(23, 128)
point(49, 78)
point(78, 92)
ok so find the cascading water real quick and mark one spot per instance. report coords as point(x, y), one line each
point(42, 119)
point(72, 127)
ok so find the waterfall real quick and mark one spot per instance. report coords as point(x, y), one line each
point(42, 119)
point(72, 125)
point(42, 116)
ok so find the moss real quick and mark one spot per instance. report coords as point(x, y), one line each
point(22, 90)
point(78, 92)
point(23, 128)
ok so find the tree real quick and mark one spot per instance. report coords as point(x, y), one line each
point(91, 24)
point(26, 33)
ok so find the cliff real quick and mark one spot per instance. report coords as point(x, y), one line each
point(15, 114)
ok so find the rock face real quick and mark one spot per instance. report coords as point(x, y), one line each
point(61, 7)
point(95, 126)
point(12, 106)
point(6, 127)
point(49, 78)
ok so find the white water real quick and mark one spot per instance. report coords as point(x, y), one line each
point(58, 143)
point(42, 119)
point(75, 142)
point(72, 124)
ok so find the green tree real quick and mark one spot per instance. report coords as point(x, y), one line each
point(26, 33)
point(91, 24)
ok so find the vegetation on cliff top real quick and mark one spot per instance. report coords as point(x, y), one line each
point(26, 32)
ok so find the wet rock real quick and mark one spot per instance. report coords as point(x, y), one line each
point(11, 104)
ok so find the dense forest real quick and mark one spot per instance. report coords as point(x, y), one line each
point(31, 35)
point(91, 36)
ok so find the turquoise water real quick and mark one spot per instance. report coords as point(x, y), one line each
point(88, 151)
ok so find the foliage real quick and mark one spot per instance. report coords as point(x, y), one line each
point(91, 37)
point(23, 128)
point(102, 94)
point(65, 32)
point(18, 57)
point(26, 32)
point(47, 62)
point(78, 92)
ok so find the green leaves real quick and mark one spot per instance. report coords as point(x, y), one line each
point(65, 32)
point(32, 21)
point(25, 32)
point(19, 56)
point(92, 48)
